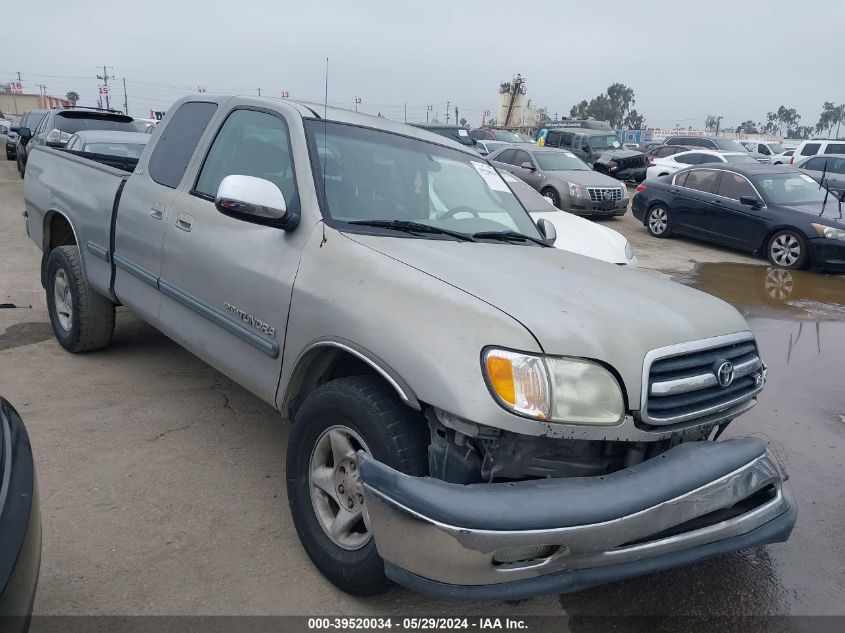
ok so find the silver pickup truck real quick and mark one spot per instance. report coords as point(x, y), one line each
point(474, 414)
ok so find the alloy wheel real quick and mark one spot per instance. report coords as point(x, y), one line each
point(63, 299)
point(337, 492)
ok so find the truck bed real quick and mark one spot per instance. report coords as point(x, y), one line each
point(84, 188)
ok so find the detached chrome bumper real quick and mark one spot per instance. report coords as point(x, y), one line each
point(510, 540)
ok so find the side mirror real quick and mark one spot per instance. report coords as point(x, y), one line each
point(547, 230)
point(752, 201)
point(527, 165)
point(14, 129)
point(254, 200)
point(24, 132)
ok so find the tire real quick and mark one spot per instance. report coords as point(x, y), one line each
point(372, 418)
point(658, 222)
point(82, 319)
point(787, 249)
point(10, 156)
point(552, 194)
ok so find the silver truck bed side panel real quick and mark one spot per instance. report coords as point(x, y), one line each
point(81, 190)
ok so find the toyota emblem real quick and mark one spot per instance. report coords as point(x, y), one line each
point(725, 373)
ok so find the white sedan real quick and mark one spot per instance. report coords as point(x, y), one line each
point(574, 234)
point(670, 164)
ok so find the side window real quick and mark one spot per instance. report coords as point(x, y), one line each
point(681, 179)
point(706, 143)
point(506, 156)
point(735, 186)
point(566, 139)
point(553, 139)
point(763, 149)
point(815, 164)
point(702, 180)
point(810, 149)
point(250, 143)
point(689, 159)
point(42, 124)
point(521, 157)
point(835, 148)
point(176, 145)
point(838, 166)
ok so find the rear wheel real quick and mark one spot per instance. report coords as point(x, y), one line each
point(657, 221)
point(787, 249)
point(552, 194)
point(9, 155)
point(82, 319)
point(325, 493)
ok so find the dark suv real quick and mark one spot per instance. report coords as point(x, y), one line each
point(30, 119)
point(59, 124)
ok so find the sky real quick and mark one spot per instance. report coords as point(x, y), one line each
point(738, 59)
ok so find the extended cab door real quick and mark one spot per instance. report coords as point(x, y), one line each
point(226, 282)
point(145, 206)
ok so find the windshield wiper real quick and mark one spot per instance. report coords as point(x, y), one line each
point(508, 236)
point(413, 227)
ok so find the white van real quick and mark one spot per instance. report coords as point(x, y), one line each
point(775, 150)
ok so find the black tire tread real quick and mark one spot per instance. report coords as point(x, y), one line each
point(94, 312)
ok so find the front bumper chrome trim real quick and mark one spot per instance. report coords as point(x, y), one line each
point(458, 555)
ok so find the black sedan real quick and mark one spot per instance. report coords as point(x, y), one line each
point(771, 210)
point(20, 523)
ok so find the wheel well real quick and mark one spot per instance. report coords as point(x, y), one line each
point(320, 365)
point(57, 232)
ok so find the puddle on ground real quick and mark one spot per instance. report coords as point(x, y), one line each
point(768, 292)
point(21, 334)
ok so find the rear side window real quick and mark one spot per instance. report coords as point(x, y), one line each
point(735, 186)
point(176, 145)
point(810, 149)
point(553, 139)
point(838, 166)
point(835, 148)
point(691, 159)
point(506, 156)
point(681, 179)
point(815, 164)
point(702, 180)
point(566, 139)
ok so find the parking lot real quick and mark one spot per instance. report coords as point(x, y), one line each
point(162, 482)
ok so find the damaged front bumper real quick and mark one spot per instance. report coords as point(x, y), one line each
point(520, 539)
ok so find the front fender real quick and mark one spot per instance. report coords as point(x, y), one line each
point(427, 332)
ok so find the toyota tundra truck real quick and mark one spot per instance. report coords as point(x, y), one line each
point(474, 414)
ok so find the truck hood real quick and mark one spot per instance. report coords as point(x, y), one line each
point(610, 154)
point(573, 305)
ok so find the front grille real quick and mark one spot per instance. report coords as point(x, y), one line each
point(605, 194)
point(764, 161)
point(632, 162)
point(685, 386)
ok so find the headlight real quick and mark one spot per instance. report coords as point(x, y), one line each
point(569, 390)
point(576, 191)
point(629, 251)
point(829, 232)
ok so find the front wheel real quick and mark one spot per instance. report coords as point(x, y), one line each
point(553, 196)
point(325, 492)
point(657, 221)
point(82, 319)
point(787, 249)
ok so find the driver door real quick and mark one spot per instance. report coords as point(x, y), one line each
point(529, 175)
point(226, 282)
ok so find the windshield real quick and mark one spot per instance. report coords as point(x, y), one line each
point(129, 150)
point(374, 175)
point(559, 161)
point(73, 124)
point(608, 141)
point(507, 137)
point(776, 148)
point(729, 145)
point(791, 189)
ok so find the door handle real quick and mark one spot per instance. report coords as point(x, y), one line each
point(157, 211)
point(184, 221)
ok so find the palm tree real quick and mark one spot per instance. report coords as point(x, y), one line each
point(72, 96)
